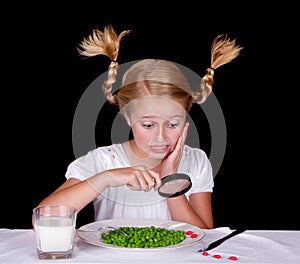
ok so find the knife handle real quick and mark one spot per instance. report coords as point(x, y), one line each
point(221, 240)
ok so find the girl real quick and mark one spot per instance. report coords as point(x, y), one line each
point(122, 179)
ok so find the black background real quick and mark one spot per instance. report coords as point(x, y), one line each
point(43, 78)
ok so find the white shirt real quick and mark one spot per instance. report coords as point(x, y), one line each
point(121, 202)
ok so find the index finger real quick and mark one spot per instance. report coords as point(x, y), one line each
point(156, 178)
point(184, 131)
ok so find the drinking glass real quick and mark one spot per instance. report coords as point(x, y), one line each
point(54, 226)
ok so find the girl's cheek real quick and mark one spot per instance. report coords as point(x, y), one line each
point(141, 136)
point(173, 141)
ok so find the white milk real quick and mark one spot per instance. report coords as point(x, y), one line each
point(54, 234)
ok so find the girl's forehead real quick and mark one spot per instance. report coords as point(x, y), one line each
point(155, 100)
point(156, 106)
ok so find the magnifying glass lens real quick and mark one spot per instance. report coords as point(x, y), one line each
point(174, 185)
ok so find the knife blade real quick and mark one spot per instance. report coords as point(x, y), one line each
point(221, 240)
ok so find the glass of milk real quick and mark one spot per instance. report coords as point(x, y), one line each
point(54, 228)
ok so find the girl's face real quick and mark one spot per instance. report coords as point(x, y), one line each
point(156, 123)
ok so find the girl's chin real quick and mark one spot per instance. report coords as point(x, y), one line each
point(158, 154)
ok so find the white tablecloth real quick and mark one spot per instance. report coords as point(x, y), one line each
point(253, 246)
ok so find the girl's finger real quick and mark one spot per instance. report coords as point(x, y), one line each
point(185, 131)
point(156, 179)
point(143, 180)
point(180, 142)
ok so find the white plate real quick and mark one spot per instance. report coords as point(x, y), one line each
point(94, 238)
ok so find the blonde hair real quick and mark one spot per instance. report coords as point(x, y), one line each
point(153, 76)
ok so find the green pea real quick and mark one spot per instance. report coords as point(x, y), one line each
point(143, 237)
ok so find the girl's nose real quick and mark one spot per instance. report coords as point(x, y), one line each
point(160, 134)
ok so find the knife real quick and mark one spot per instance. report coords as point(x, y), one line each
point(221, 240)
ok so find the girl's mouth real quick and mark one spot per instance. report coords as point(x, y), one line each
point(159, 148)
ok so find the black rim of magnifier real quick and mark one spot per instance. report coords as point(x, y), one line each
point(171, 177)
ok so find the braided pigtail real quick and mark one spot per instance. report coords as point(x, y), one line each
point(223, 50)
point(104, 43)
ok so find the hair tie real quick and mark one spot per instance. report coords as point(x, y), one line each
point(113, 64)
point(210, 71)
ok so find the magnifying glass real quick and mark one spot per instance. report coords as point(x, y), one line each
point(174, 185)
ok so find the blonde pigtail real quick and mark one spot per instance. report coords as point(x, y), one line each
point(223, 51)
point(107, 43)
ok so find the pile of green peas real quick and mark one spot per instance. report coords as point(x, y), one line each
point(143, 237)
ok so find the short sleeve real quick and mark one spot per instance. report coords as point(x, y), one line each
point(96, 161)
point(85, 166)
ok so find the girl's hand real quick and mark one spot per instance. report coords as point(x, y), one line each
point(171, 162)
point(136, 178)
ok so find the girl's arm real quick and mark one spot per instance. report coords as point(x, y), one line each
point(79, 193)
point(72, 192)
point(197, 211)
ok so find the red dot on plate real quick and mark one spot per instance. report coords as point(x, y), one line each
point(217, 256)
point(232, 258)
point(194, 235)
point(189, 232)
point(205, 253)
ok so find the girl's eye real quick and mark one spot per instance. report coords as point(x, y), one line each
point(172, 125)
point(147, 125)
